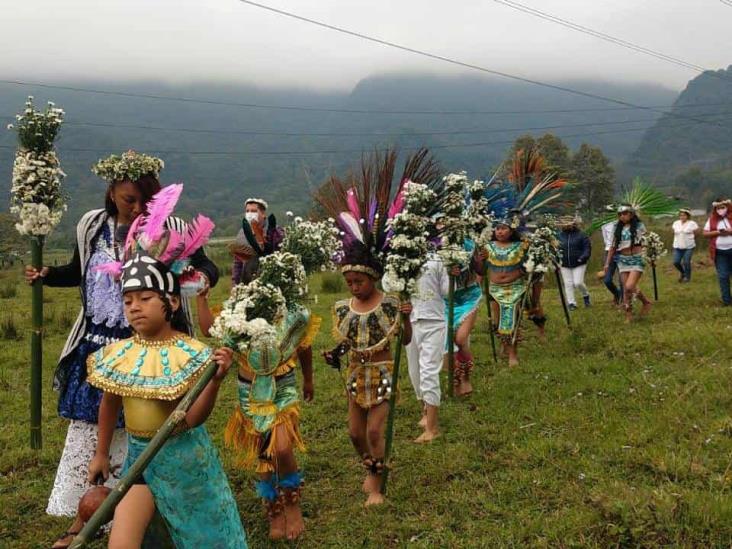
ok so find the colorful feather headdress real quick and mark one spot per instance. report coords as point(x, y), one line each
point(156, 256)
point(363, 202)
point(643, 199)
point(529, 191)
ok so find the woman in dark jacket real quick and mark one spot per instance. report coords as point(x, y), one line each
point(576, 250)
point(100, 235)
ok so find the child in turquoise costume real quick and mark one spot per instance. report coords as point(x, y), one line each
point(264, 428)
point(147, 375)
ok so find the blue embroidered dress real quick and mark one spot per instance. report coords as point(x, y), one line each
point(105, 324)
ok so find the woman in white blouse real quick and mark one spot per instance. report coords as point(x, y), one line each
point(718, 229)
point(684, 230)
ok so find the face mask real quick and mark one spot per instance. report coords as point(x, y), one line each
point(251, 216)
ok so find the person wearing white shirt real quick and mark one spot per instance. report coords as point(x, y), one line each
point(684, 243)
point(426, 350)
point(608, 234)
point(718, 229)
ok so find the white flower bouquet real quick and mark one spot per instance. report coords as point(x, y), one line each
point(408, 246)
point(455, 224)
point(316, 243)
point(653, 247)
point(479, 221)
point(36, 197)
point(285, 271)
point(543, 252)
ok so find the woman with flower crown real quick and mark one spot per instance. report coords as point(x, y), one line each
point(132, 180)
point(148, 374)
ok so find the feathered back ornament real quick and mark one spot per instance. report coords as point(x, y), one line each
point(153, 249)
point(364, 201)
point(529, 191)
point(644, 199)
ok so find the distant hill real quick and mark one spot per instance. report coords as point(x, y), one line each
point(691, 158)
point(218, 183)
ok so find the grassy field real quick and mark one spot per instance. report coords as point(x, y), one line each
point(608, 435)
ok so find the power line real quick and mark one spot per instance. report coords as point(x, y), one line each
point(330, 109)
point(458, 63)
point(352, 151)
point(601, 35)
point(395, 133)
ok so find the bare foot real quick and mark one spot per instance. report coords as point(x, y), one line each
point(375, 498)
point(427, 436)
point(645, 309)
point(423, 422)
point(293, 519)
point(277, 524)
point(628, 317)
point(65, 540)
point(370, 484)
point(465, 388)
point(513, 362)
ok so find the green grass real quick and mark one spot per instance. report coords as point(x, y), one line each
point(608, 435)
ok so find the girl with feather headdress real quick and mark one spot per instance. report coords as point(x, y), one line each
point(627, 242)
point(148, 374)
point(513, 204)
point(365, 324)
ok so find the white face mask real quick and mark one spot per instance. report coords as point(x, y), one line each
point(251, 216)
point(722, 212)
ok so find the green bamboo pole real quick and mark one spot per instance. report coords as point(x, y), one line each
point(450, 336)
point(36, 375)
point(392, 404)
point(106, 509)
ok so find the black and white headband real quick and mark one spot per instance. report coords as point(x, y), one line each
point(142, 272)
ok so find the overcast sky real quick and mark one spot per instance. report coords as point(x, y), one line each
point(226, 40)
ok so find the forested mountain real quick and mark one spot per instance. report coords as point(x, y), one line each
point(690, 150)
point(216, 160)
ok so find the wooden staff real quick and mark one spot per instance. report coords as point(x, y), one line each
point(490, 317)
point(389, 436)
point(655, 281)
point(450, 335)
point(36, 374)
point(562, 297)
point(106, 509)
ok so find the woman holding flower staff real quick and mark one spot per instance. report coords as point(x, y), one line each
point(365, 324)
point(100, 235)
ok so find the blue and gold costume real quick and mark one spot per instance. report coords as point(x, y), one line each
point(186, 478)
point(507, 259)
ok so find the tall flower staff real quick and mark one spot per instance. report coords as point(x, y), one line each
point(653, 249)
point(38, 203)
point(365, 325)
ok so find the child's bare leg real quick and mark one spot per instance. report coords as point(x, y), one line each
point(357, 432)
point(376, 422)
point(289, 483)
point(275, 512)
point(131, 518)
point(462, 340)
point(512, 355)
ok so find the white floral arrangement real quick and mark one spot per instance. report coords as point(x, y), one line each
point(285, 271)
point(455, 226)
point(249, 316)
point(315, 242)
point(543, 252)
point(36, 197)
point(129, 166)
point(479, 221)
point(653, 247)
point(408, 246)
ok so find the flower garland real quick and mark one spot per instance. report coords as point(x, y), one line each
point(315, 243)
point(408, 247)
point(653, 247)
point(543, 251)
point(36, 197)
point(455, 228)
point(129, 166)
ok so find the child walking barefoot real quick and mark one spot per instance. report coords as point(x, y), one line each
point(364, 326)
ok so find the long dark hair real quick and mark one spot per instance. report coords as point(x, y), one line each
point(148, 185)
point(634, 222)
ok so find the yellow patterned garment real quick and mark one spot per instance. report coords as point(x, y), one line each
point(368, 383)
point(150, 376)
